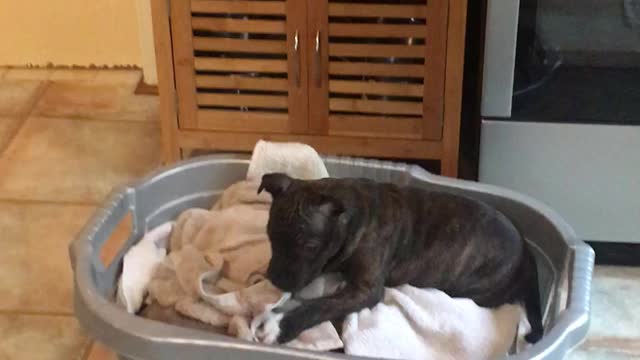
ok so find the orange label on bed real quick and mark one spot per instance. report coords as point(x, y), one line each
point(116, 240)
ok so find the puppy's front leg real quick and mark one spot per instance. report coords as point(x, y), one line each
point(352, 298)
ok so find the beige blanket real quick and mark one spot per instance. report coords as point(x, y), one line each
point(217, 252)
point(215, 269)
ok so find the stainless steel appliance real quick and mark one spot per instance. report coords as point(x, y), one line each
point(561, 109)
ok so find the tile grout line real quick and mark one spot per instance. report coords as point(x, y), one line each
point(36, 313)
point(88, 119)
point(24, 114)
point(49, 202)
point(88, 348)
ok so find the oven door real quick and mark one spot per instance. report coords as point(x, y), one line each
point(561, 109)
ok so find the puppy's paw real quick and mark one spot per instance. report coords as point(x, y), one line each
point(273, 327)
point(268, 331)
point(289, 330)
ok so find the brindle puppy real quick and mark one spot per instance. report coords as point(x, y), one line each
point(380, 235)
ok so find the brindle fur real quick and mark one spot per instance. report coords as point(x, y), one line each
point(380, 235)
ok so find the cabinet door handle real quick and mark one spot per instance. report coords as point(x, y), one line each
point(296, 60)
point(318, 62)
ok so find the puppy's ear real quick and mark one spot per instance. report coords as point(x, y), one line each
point(275, 183)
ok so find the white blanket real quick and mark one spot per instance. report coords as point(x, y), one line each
point(415, 323)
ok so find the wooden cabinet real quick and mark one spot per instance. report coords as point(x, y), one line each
point(378, 78)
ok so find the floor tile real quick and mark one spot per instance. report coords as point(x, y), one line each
point(76, 161)
point(16, 96)
point(28, 337)
point(96, 101)
point(35, 273)
point(73, 75)
point(600, 354)
point(8, 128)
point(615, 302)
point(100, 352)
point(624, 346)
point(28, 74)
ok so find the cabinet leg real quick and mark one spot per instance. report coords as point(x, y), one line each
point(449, 164)
point(171, 154)
point(185, 153)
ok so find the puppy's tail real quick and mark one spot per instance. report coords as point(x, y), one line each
point(532, 304)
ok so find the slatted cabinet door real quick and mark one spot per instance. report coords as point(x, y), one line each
point(240, 65)
point(377, 67)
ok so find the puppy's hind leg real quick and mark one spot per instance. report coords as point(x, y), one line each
point(532, 304)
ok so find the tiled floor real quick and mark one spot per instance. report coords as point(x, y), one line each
point(66, 138)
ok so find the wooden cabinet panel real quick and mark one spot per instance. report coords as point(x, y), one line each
point(240, 65)
point(378, 78)
point(377, 67)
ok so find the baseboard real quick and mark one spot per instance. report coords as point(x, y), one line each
point(146, 89)
point(613, 253)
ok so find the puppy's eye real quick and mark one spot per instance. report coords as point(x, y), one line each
point(311, 244)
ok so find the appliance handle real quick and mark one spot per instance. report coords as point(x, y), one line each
point(296, 60)
point(318, 61)
point(499, 57)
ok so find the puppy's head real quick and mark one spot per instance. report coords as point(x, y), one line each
point(304, 230)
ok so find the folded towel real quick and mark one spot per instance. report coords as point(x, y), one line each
point(300, 161)
point(138, 266)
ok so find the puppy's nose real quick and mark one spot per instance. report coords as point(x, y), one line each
point(281, 280)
